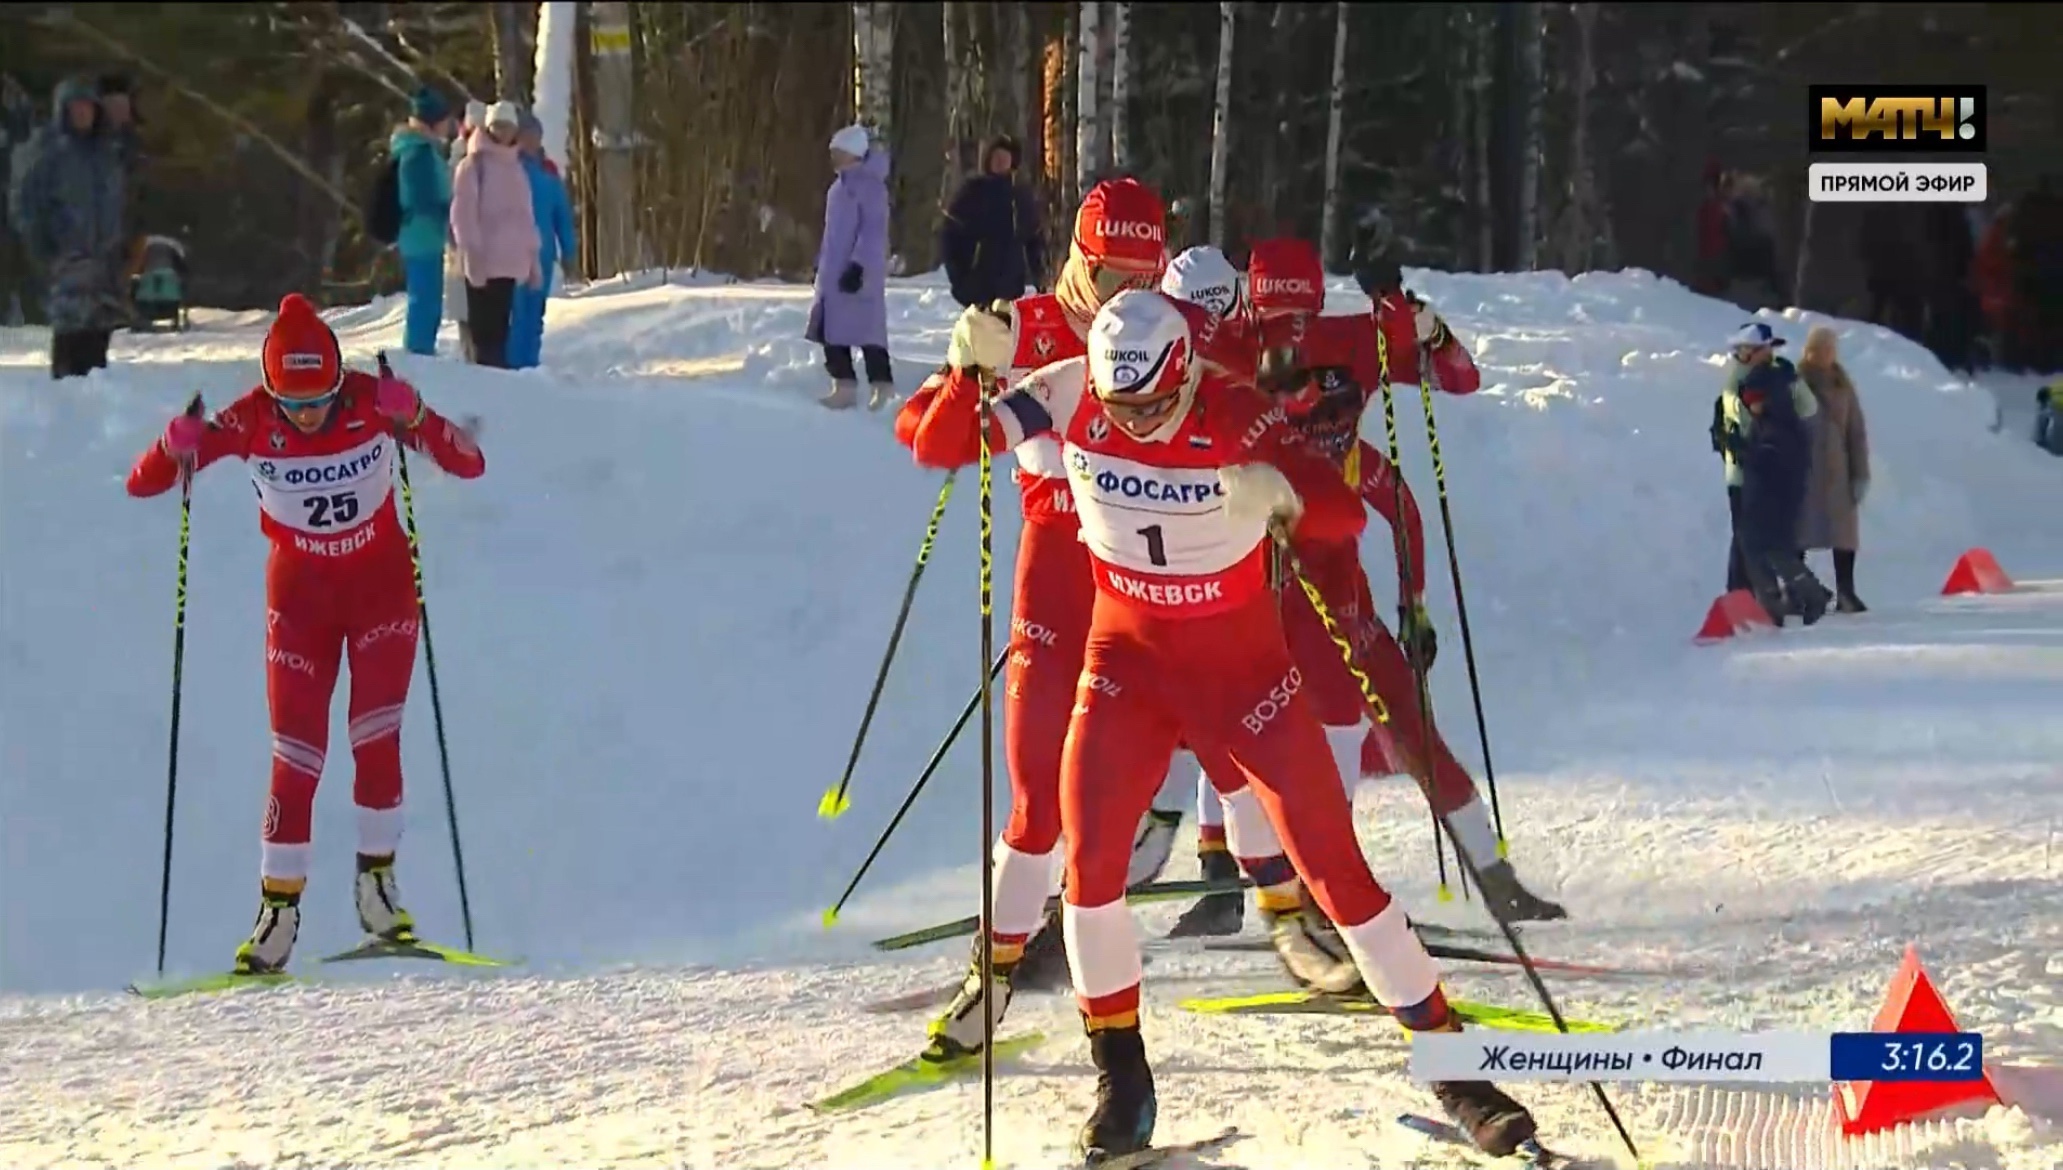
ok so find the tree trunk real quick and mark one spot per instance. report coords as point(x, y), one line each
point(1582, 218)
point(616, 244)
point(319, 214)
point(1087, 95)
point(1275, 194)
point(873, 38)
point(556, 29)
point(1531, 76)
point(1019, 59)
point(514, 41)
point(959, 95)
point(1053, 124)
point(1335, 117)
point(1221, 121)
point(1121, 86)
point(1482, 75)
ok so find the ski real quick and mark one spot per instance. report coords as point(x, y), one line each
point(1531, 1154)
point(1461, 954)
point(415, 948)
point(205, 984)
point(919, 1073)
point(943, 993)
point(1155, 1155)
point(1144, 892)
point(1305, 1002)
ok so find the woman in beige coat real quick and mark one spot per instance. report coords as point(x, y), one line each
point(1840, 464)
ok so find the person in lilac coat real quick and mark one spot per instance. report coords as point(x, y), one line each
point(851, 306)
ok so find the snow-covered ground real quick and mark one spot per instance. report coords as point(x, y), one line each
point(656, 621)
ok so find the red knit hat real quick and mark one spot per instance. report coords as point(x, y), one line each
point(1285, 275)
point(1122, 220)
point(300, 358)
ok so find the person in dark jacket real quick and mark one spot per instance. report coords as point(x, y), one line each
point(1773, 449)
point(991, 240)
point(68, 204)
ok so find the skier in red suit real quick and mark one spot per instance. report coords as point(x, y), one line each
point(1326, 372)
point(1176, 477)
point(320, 442)
point(1118, 243)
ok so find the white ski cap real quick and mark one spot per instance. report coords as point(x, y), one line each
point(505, 114)
point(1203, 276)
point(852, 140)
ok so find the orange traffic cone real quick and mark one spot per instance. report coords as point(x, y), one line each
point(1910, 1005)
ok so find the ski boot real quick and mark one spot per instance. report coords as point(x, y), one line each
point(1152, 845)
point(379, 901)
point(1512, 901)
point(1214, 914)
point(1043, 966)
point(272, 938)
point(845, 393)
point(957, 1032)
point(1496, 1124)
point(1310, 946)
point(1122, 1121)
point(1809, 598)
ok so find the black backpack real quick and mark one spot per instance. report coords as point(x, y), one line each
point(383, 209)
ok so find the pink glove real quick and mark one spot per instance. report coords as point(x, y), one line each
point(398, 400)
point(183, 436)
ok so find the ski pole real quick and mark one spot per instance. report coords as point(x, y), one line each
point(422, 603)
point(988, 788)
point(923, 778)
point(193, 410)
point(1405, 560)
point(835, 801)
point(1466, 863)
point(1427, 378)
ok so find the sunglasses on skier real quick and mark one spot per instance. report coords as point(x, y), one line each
point(1109, 279)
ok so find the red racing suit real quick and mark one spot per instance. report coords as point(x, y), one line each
point(339, 581)
point(1185, 644)
point(1454, 371)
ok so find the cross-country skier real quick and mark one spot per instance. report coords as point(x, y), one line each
point(1176, 476)
point(1325, 372)
point(320, 442)
point(1117, 244)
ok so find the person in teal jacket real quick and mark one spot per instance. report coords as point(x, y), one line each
point(418, 149)
point(554, 211)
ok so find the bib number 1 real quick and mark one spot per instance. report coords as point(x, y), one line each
point(330, 511)
point(1156, 548)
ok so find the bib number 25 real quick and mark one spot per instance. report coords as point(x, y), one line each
point(330, 511)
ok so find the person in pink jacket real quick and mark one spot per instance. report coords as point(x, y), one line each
point(495, 229)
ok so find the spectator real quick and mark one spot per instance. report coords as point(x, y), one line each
point(1710, 277)
point(1759, 428)
point(454, 269)
point(120, 122)
point(496, 231)
point(417, 148)
point(2048, 417)
point(991, 240)
point(851, 305)
point(1840, 476)
point(1752, 279)
point(554, 214)
point(68, 210)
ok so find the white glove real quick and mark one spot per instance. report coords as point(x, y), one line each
point(1259, 492)
point(981, 341)
point(1426, 322)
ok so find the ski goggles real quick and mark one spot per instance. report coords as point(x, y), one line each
point(302, 405)
point(1109, 278)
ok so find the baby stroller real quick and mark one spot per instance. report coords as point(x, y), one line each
point(157, 287)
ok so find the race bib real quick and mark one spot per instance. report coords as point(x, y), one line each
point(324, 495)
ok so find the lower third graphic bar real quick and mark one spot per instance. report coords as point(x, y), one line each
point(1900, 182)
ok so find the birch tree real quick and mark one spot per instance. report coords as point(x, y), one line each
point(557, 26)
point(515, 36)
point(959, 95)
point(1583, 219)
point(873, 45)
point(1221, 121)
point(1335, 118)
point(1120, 85)
point(1087, 105)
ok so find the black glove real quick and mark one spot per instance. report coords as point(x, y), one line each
point(1421, 643)
point(852, 278)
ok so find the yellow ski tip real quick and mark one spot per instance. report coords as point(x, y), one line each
point(1503, 849)
point(1446, 894)
point(834, 805)
point(830, 917)
point(988, 1164)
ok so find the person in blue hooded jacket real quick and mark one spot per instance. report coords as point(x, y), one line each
point(418, 149)
point(554, 210)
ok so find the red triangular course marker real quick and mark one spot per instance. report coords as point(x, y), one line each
point(1911, 1004)
point(1734, 613)
point(1976, 571)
